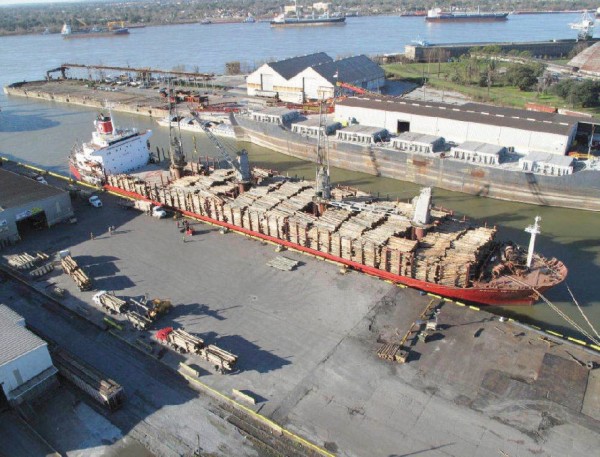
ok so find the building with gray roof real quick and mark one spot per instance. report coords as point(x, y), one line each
point(314, 76)
point(26, 203)
point(25, 364)
point(273, 77)
point(517, 129)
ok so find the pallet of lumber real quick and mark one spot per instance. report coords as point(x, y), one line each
point(392, 352)
point(223, 360)
point(283, 263)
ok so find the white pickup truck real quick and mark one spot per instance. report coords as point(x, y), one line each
point(95, 201)
point(155, 211)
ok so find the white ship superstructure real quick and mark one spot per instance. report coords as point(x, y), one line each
point(111, 151)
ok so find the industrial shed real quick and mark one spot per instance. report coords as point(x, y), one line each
point(275, 76)
point(362, 134)
point(507, 127)
point(25, 365)
point(275, 115)
point(319, 81)
point(418, 142)
point(547, 164)
point(310, 126)
point(26, 204)
point(477, 152)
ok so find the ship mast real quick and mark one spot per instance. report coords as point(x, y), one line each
point(534, 230)
point(323, 187)
point(175, 146)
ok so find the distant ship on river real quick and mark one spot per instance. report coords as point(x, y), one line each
point(94, 32)
point(437, 15)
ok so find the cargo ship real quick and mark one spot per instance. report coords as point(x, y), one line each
point(94, 32)
point(413, 243)
point(408, 243)
point(297, 21)
point(111, 151)
point(438, 15)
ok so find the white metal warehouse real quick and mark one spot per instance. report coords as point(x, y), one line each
point(26, 203)
point(522, 130)
point(274, 76)
point(25, 365)
point(313, 77)
point(319, 81)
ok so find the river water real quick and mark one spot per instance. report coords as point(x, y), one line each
point(43, 132)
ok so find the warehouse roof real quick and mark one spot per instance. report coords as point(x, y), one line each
point(483, 148)
point(587, 60)
point(8, 316)
point(291, 67)
point(15, 340)
point(362, 129)
point(17, 190)
point(549, 158)
point(351, 69)
point(472, 112)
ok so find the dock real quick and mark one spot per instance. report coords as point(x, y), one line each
point(307, 342)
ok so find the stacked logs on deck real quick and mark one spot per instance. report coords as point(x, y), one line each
point(72, 269)
point(282, 209)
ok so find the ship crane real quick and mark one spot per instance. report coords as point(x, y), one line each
point(241, 165)
point(585, 27)
point(323, 187)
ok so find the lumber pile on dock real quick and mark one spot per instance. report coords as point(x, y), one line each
point(26, 261)
point(72, 269)
point(283, 263)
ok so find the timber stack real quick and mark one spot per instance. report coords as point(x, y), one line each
point(70, 267)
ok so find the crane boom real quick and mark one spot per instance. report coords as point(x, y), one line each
point(241, 165)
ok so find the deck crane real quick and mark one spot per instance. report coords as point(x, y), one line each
point(323, 187)
point(241, 165)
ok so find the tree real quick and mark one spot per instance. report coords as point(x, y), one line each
point(523, 76)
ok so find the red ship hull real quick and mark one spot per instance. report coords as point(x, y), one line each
point(75, 172)
point(481, 295)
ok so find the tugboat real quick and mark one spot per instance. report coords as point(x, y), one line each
point(112, 151)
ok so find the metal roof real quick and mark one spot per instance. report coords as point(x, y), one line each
point(351, 70)
point(17, 190)
point(482, 148)
point(588, 59)
point(361, 129)
point(415, 137)
point(276, 111)
point(289, 68)
point(315, 122)
point(8, 316)
point(472, 112)
point(15, 340)
point(549, 158)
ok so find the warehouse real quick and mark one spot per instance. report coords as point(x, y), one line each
point(477, 152)
point(310, 126)
point(275, 115)
point(26, 368)
point(362, 134)
point(547, 164)
point(26, 205)
point(319, 81)
point(418, 142)
point(274, 76)
point(521, 130)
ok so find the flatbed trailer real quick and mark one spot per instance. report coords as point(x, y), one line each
point(102, 389)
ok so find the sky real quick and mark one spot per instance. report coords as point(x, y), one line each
point(25, 2)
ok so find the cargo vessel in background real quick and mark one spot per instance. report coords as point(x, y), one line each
point(111, 151)
point(297, 21)
point(94, 32)
point(412, 243)
point(438, 15)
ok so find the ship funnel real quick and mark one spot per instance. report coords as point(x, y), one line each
point(421, 205)
point(104, 124)
point(535, 231)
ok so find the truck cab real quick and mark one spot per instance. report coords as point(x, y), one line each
point(159, 212)
point(95, 201)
